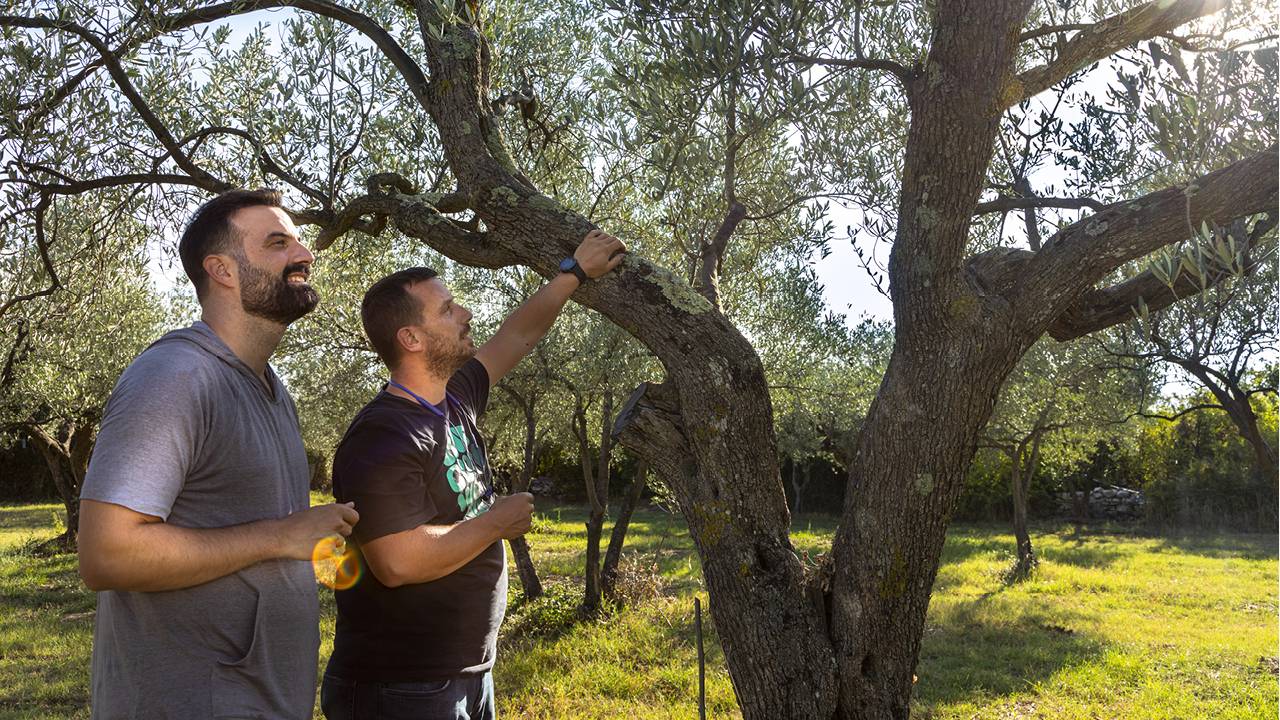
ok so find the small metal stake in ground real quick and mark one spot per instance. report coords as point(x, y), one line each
point(702, 665)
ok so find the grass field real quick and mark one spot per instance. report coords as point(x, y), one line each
point(1110, 626)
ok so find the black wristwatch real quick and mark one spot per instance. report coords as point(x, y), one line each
point(570, 265)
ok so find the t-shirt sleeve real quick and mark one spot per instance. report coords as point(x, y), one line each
point(150, 437)
point(380, 469)
point(470, 384)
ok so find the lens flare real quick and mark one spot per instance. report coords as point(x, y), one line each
point(337, 565)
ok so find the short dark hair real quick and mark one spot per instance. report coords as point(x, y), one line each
point(389, 306)
point(209, 231)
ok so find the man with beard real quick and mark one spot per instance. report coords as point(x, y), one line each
point(417, 638)
point(195, 526)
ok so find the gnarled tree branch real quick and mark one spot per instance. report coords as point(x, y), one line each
point(1104, 307)
point(42, 246)
point(1104, 38)
point(1004, 204)
point(1085, 252)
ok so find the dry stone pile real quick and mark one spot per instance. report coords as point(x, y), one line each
point(1109, 502)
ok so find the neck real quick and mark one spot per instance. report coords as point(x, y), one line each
point(422, 382)
point(252, 339)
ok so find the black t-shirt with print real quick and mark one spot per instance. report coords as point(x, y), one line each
point(405, 466)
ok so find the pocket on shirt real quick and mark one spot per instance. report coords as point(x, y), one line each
point(235, 686)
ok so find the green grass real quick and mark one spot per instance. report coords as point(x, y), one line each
point(1111, 625)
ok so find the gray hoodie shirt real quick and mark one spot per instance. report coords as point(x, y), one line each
point(192, 435)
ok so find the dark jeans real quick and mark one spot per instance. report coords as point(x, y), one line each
point(460, 698)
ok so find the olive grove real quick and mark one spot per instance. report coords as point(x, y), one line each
point(729, 125)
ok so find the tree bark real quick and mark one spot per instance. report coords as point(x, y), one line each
point(954, 346)
point(67, 461)
point(530, 583)
point(598, 493)
point(609, 573)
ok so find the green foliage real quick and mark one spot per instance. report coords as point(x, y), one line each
point(1198, 472)
point(62, 352)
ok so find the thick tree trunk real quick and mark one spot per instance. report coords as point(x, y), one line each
point(907, 474)
point(954, 345)
point(609, 573)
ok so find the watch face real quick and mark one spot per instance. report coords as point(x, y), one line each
point(566, 265)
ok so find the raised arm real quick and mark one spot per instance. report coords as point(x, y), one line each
point(598, 253)
point(428, 552)
point(122, 549)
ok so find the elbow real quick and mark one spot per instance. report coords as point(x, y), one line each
point(396, 574)
point(92, 572)
point(389, 574)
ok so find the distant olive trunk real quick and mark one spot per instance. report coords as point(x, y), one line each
point(1022, 469)
point(609, 573)
point(66, 455)
point(799, 481)
point(1234, 400)
point(530, 583)
point(597, 486)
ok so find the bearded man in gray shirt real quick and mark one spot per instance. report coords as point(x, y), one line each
point(196, 529)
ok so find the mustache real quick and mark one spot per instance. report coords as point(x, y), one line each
point(296, 268)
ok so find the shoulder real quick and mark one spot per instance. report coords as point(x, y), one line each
point(170, 377)
point(387, 425)
point(170, 361)
point(470, 384)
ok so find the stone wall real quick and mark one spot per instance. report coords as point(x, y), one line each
point(1109, 502)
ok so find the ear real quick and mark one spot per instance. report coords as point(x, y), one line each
point(221, 270)
point(409, 340)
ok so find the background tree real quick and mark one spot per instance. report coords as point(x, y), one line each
point(65, 349)
point(1217, 338)
point(1060, 401)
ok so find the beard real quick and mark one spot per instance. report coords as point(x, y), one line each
point(448, 354)
point(273, 298)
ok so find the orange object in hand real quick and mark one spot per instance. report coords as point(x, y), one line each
point(337, 565)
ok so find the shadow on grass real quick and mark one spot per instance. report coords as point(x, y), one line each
point(1244, 547)
point(548, 617)
point(964, 657)
point(33, 579)
point(31, 517)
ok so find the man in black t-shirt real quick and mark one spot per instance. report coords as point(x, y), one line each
point(416, 634)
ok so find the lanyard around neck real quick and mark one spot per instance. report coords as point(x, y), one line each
point(423, 402)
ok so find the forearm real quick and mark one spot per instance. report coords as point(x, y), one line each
point(429, 552)
point(531, 321)
point(158, 556)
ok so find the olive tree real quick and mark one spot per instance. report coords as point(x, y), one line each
point(841, 642)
